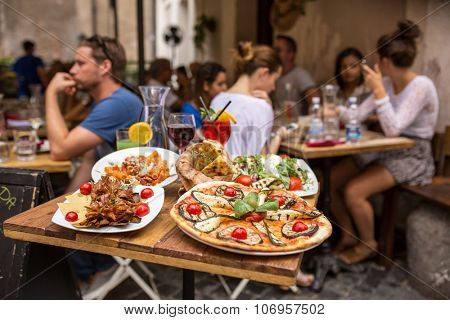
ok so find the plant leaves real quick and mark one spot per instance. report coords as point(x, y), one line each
point(270, 205)
point(241, 207)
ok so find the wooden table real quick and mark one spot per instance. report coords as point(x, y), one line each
point(160, 242)
point(42, 161)
point(370, 142)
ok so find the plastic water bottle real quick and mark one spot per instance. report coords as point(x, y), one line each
point(330, 122)
point(316, 126)
point(353, 127)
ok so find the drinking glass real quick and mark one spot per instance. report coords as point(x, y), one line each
point(35, 117)
point(123, 140)
point(25, 144)
point(215, 130)
point(4, 146)
point(181, 127)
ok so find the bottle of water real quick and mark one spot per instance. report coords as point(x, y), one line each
point(316, 126)
point(353, 127)
point(331, 122)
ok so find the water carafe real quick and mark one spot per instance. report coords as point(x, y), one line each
point(153, 113)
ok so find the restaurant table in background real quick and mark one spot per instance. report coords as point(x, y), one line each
point(161, 242)
point(370, 142)
point(42, 161)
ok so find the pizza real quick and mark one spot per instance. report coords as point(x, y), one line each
point(231, 215)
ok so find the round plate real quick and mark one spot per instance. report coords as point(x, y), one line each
point(250, 253)
point(311, 186)
point(155, 204)
point(119, 156)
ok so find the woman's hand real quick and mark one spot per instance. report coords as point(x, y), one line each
point(261, 95)
point(374, 81)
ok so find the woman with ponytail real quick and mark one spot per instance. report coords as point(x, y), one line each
point(256, 68)
point(407, 105)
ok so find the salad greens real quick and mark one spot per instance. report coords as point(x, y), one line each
point(250, 204)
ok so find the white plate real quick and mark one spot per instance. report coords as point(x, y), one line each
point(119, 156)
point(311, 187)
point(155, 204)
point(250, 253)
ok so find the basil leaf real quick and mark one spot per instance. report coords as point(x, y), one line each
point(271, 205)
point(252, 198)
point(241, 207)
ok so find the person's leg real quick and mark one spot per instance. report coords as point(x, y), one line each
point(340, 175)
point(357, 192)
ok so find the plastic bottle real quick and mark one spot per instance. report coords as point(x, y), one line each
point(330, 122)
point(353, 126)
point(315, 133)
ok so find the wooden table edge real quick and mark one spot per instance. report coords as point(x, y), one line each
point(158, 259)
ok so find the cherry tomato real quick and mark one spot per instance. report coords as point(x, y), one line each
point(245, 180)
point(86, 188)
point(230, 192)
point(142, 209)
point(194, 208)
point(299, 227)
point(295, 183)
point(281, 201)
point(146, 193)
point(71, 216)
point(239, 233)
point(254, 216)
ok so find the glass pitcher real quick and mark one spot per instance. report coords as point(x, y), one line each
point(153, 113)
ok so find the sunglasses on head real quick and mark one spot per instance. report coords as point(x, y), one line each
point(101, 42)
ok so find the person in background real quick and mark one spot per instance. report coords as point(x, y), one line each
point(407, 105)
point(184, 91)
point(349, 76)
point(295, 80)
point(98, 69)
point(160, 73)
point(29, 69)
point(211, 80)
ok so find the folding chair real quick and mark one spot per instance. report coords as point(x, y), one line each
point(123, 272)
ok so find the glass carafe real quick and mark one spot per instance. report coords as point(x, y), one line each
point(153, 113)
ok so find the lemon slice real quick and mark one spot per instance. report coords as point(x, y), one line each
point(140, 132)
point(226, 117)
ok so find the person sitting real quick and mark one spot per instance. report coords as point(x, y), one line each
point(160, 73)
point(210, 80)
point(295, 83)
point(349, 76)
point(98, 69)
point(29, 69)
point(407, 105)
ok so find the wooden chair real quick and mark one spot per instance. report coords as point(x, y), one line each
point(437, 192)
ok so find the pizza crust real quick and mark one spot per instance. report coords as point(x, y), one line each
point(295, 244)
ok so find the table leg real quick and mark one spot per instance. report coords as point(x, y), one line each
point(326, 186)
point(188, 284)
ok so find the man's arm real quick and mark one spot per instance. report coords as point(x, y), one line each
point(65, 145)
point(83, 173)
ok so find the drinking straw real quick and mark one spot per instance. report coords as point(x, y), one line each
point(204, 106)
point(222, 111)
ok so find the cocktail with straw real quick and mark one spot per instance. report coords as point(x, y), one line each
point(216, 125)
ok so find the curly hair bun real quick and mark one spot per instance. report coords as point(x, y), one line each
point(245, 51)
point(407, 30)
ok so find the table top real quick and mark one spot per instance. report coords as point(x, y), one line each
point(42, 161)
point(160, 242)
point(370, 142)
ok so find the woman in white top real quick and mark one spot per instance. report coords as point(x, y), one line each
point(257, 69)
point(406, 105)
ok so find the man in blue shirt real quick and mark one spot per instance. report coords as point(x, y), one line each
point(29, 70)
point(98, 69)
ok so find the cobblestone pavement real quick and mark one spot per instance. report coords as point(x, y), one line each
point(374, 283)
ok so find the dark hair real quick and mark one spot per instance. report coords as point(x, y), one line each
point(27, 45)
point(158, 66)
point(338, 65)
point(292, 45)
point(400, 45)
point(207, 72)
point(106, 48)
point(249, 58)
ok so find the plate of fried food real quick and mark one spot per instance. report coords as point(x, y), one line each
point(144, 166)
point(109, 206)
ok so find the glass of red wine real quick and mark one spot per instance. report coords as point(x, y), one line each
point(181, 128)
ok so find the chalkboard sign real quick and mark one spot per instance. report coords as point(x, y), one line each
point(26, 268)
